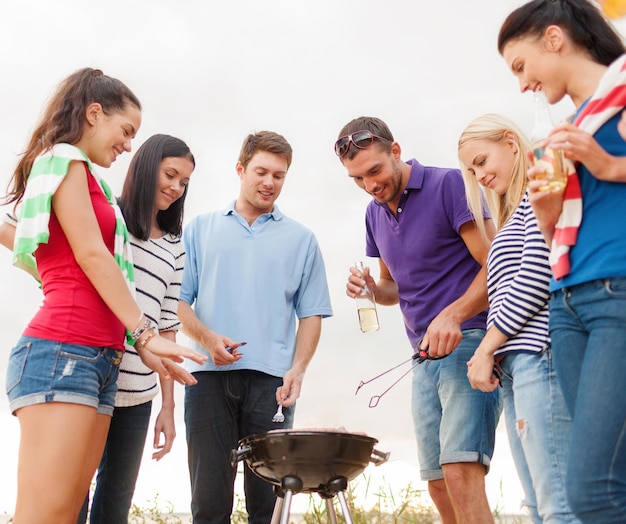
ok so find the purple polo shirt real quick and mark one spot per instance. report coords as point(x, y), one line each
point(422, 247)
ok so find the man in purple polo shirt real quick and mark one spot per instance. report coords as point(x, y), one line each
point(432, 260)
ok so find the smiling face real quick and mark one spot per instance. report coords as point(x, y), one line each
point(490, 162)
point(261, 183)
point(107, 136)
point(174, 175)
point(379, 173)
point(538, 64)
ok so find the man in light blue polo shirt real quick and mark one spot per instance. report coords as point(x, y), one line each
point(252, 275)
point(431, 257)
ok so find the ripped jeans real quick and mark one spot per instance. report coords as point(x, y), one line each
point(538, 426)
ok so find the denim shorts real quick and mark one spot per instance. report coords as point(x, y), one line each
point(41, 371)
point(453, 422)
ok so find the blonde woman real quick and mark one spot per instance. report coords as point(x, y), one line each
point(494, 161)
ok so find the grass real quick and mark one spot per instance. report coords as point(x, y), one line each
point(409, 505)
point(383, 506)
point(154, 513)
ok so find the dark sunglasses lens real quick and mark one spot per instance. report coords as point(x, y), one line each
point(342, 145)
point(362, 139)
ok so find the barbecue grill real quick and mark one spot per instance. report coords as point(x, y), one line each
point(308, 461)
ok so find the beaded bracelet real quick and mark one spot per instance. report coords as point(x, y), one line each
point(139, 330)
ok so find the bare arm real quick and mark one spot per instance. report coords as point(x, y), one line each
point(480, 366)
point(76, 216)
point(307, 338)
point(7, 234)
point(73, 208)
point(385, 290)
point(165, 424)
point(547, 205)
point(213, 342)
point(7, 239)
point(444, 332)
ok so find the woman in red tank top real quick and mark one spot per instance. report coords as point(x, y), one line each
point(62, 373)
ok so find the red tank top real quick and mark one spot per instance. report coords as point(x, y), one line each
point(72, 311)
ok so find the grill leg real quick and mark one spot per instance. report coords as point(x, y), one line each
point(330, 509)
point(278, 509)
point(344, 507)
point(284, 515)
point(288, 486)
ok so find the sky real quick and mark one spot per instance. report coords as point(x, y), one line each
point(210, 72)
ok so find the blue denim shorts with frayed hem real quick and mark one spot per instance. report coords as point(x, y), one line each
point(42, 371)
point(453, 422)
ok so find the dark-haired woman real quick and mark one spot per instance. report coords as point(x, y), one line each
point(152, 203)
point(568, 48)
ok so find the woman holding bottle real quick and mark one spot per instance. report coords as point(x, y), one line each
point(568, 48)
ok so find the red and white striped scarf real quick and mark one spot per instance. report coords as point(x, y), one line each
point(608, 100)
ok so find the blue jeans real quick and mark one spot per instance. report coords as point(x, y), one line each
point(222, 408)
point(588, 330)
point(538, 425)
point(453, 422)
point(119, 467)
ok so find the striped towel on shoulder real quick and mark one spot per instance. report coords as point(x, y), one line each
point(47, 173)
point(608, 100)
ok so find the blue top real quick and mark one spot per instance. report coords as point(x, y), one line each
point(600, 250)
point(250, 282)
point(422, 247)
point(518, 277)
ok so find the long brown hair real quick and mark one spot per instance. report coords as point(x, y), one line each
point(63, 118)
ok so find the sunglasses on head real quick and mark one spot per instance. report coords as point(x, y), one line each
point(360, 139)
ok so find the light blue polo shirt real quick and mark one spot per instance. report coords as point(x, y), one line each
point(250, 283)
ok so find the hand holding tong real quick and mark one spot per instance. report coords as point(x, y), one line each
point(420, 355)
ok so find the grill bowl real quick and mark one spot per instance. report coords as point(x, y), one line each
point(316, 457)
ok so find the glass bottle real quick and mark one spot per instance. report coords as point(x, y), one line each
point(366, 306)
point(555, 172)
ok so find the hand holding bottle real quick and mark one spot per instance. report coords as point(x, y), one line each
point(366, 304)
point(554, 167)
